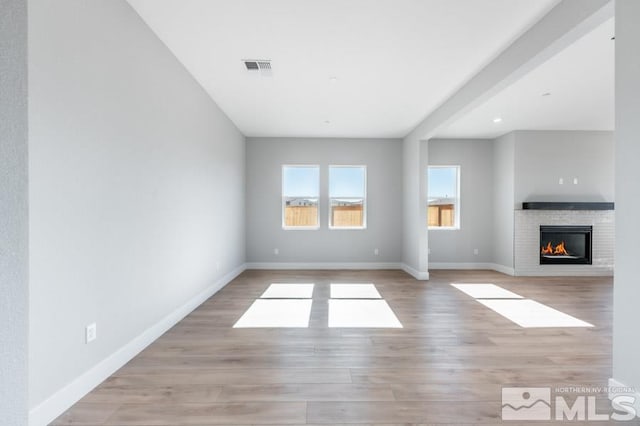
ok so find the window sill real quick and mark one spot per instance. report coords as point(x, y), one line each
point(300, 228)
point(443, 228)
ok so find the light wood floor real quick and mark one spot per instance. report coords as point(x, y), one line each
point(447, 365)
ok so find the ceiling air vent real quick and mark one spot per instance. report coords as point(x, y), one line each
point(262, 65)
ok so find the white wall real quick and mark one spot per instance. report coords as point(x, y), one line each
point(543, 157)
point(136, 186)
point(626, 289)
point(503, 200)
point(265, 157)
point(475, 158)
point(14, 286)
point(415, 238)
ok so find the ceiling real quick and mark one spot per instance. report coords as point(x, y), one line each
point(579, 82)
point(393, 61)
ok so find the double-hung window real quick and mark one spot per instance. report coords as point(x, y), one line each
point(444, 197)
point(347, 197)
point(300, 194)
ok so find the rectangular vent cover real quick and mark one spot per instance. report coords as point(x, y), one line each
point(264, 65)
point(257, 65)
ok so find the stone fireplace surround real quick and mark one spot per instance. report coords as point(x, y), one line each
point(527, 240)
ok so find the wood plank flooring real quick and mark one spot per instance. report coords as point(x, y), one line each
point(446, 366)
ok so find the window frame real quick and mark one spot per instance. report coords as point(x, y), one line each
point(283, 199)
point(364, 198)
point(458, 199)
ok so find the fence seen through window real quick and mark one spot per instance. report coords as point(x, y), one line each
point(444, 197)
point(347, 197)
point(300, 195)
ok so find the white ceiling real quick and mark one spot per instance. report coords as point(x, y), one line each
point(580, 80)
point(395, 60)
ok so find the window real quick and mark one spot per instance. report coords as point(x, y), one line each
point(347, 197)
point(444, 197)
point(300, 192)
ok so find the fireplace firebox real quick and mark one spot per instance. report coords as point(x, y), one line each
point(565, 245)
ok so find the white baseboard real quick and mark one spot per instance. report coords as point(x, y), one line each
point(63, 399)
point(503, 269)
point(323, 265)
point(617, 389)
point(337, 265)
point(469, 265)
point(418, 275)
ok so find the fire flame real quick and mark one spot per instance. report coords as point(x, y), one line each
point(555, 250)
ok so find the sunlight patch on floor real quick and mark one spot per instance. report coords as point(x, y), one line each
point(531, 314)
point(361, 314)
point(354, 291)
point(281, 313)
point(486, 291)
point(288, 291)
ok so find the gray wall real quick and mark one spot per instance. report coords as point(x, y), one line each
point(503, 199)
point(14, 285)
point(542, 157)
point(136, 186)
point(626, 289)
point(475, 158)
point(265, 157)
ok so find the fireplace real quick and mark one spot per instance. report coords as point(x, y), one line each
point(565, 245)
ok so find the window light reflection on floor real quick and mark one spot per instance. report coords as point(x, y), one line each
point(288, 291)
point(361, 314)
point(354, 291)
point(486, 291)
point(289, 306)
point(531, 314)
point(276, 313)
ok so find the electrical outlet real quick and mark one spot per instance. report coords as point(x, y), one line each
point(476, 251)
point(376, 252)
point(276, 251)
point(91, 333)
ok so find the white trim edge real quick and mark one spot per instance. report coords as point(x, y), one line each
point(480, 265)
point(336, 266)
point(323, 265)
point(418, 275)
point(503, 269)
point(617, 388)
point(48, 410)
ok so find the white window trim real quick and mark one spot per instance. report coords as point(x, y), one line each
point(282, 199)
point(364, 199)
point(458, 199)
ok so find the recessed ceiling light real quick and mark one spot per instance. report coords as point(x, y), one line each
point(497, 119)
point(546, 94)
